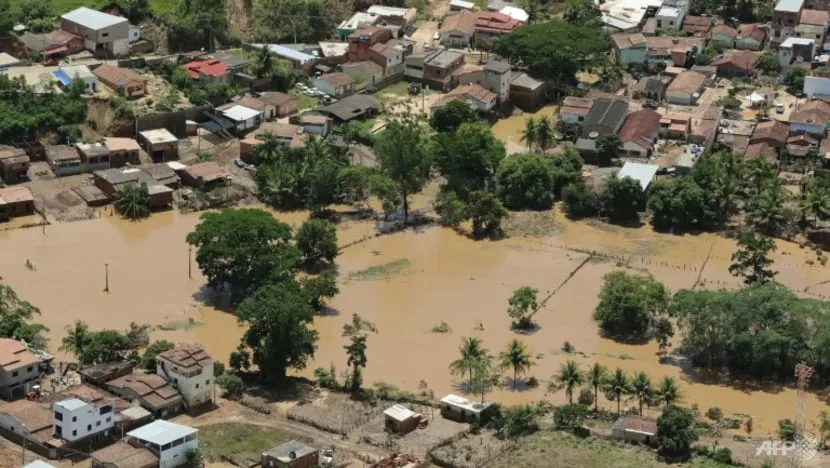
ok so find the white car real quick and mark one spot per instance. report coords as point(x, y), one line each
point(436, 36)
point(301, 87)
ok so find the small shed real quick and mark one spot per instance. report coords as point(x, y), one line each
point(638, 429)
point(160, 144)
point(400, 419)
point(461, 409)
point(642, 173)
point(291, 454)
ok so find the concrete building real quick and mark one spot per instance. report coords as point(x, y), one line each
point(785, 18)
point(458, 29)
point(461, 409)
point(358, 20)
point(316, 125)
point(723, 36)
point(19, 368)
point(635, 429)
point(389, 57)
point(497, 78)
point(160, 144)
point(686, 88)
point(206, 176)
point(206, 70)
point(362, 40)
point(399, 419)
point(283, 104)
point(364, 73)
point(526, 93)
point(166, 440)
point(751, 37)
point(771, 132)
point(697, 25)
point(243, 118)
point(123, 81)
point(291, 454)
point(813, 25)
point(737, 64)
point(153, 393)
point(111, 180)
point(439, 67)
point(122, 151)
point(630, 48)
point(606, 116)
point(810, 117)
point(335, 84)
point(95, 156)
point(796, 49)
point(669, 18)
point(76, 419)
point(403, 17)
point(69, 73)
point(14, 164)
point(639, 133)
point(64, 160)
point(15, 201)
point(190, 369)
point(642, 173)
point(102, 33)
point(123, 455)
point(574, 109)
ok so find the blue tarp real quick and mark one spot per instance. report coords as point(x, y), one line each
point(61, 76)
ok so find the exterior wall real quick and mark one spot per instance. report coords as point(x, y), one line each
point(114, 39)
point(526, 99)
point(269, 112)
point(18, 381)
point(621, 434)
point(572, 118)
point(633, 55)
point(82, 422)
point(813, 129)
point(784, 24)
point(177, 456)
point(669, 22)
point(816, 85)
point(308, 461)
point(195, 389)
point(456, 39)
point(456, 414)
point(66, 168)
point(287, 108)
point(498, 83)
point(682, 98)
point(633, 149)
point(810, 31)
point(747, 43)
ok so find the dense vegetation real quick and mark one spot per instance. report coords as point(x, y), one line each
point(133, 201)
point(25, 113)
point(15, 319)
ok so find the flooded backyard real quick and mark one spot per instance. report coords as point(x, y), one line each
point(509, 130)
point(406, 283)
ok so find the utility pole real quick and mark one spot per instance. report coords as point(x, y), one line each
point(803, 374)
point(189, 262)
point(106, 277)
point(23, 452)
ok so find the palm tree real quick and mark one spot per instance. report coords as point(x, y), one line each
point(471, 352)
point(263, 63)
point(517, 357)
point(270, 148)
point(596, 377)
point(816, 203)
point(667, 392)
point(642, 389)
point(529, 133)
point(133, 201)
point(544, 133)
point(569, 378)
point(76, 339)
point(617, 386)
point(766, 211)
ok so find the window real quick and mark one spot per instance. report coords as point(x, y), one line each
point(74, 433)
point(105, 35)
point(89, 427)
point(74, 419)
point(30, 368)
point(97, 423)
point(109, 419)
point(14, 374)
point(58, 416)
point(58, 431)
point(197, 385)
point(207, 382)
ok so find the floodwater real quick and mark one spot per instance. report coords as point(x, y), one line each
point(405, 283)
point(509, 130)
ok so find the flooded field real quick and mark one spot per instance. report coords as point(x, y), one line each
point(407, 284)
point(509, 130)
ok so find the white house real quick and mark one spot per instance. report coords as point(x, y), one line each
point(102, 32)
point(76, 419)
point(669, 18)
point(167, 440)
point(67, 74)
point(190, 369)
point(796, 48)
point(243, 117)
point(461, 409)
point(816, 85)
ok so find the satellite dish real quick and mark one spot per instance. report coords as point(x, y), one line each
point(593, 135)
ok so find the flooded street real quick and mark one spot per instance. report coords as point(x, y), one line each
point(509, 130)
point(406, 283)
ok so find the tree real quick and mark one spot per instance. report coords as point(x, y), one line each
point(516, 356)
point(356, 352)
point(355, 184)
point(570, 416)
point(675, 432)
point(138, 335)
point(281, 21)
point(570, 376)
point(468, 158)
point(487, 213)
point(525, 181)
point(515, 421)
point(193, 458)
point(133, 201)
point(766, 211)
point(580, 12)
point(630, 304)
point(529, 133)
point(320, 288)
point(579, 200)
point(667, 392)
point(751, 261)
point(317, 240)
point(263, 62)
point(608, 147)
point(823, 427)
point(358, 326)
point(729, 102)
point(794, 78)
point(7, 17)
point(617, 386)
point(622, 200)
point(471, 351)
point(521, 305)
point(402, 156)
point(231, 384)
point(567, 169)
point(678, 203)
point(768, 63)
point(76, 339)
point(663, 332)
point(104, 346)
point(642, 389)
point(279, 318)
point(452, 210)
point(148, 359)
point(484, 377)
point(816, 203)
point(448, 118)
point(544, 133)
point(385, 189)
point(242, 249)
point(198, 24)
point(15, 316)
point(596, 377)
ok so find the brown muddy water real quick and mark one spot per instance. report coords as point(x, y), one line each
point(509, 130)
point(406, 283)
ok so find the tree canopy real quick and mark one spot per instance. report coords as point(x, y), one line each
point(448, 118)
point(317, 240)
point(623, 199)
point(468, 157)
point(24, 112)
point(133, 201)
point(675, 432)
point(525, 181)
point(402, 154)
point(630, 304)
point(15, 319)
point(198, 24)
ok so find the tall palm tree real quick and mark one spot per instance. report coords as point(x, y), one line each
point(471, 352)
point(529, 133)
point(263, 63)
point(596, 377)
point(642, 389)
point(544, 133)
point(76, 339)
point(517, 357)
point(766, 211)
point(133, 201)
point(617, 386)
point(270, 148)
point(569, 378)
point(667, 392)
point(816, 203)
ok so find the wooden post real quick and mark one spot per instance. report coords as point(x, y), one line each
point(106, 277)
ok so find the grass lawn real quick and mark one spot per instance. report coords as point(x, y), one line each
point(240, 442)
point(306, 102)
point(401, 88)
point(158, 7)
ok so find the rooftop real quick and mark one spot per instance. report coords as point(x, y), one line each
point(443, 58)
point(191, 357)
point(642, 173)
point(71, 404)
point(240, 113)
point(39, 464)
point(814, 17)
point(725, 30)
point(334, 49)
point(697, 24)
point(493, 21)
point(811, 112)
point(463, 403)
point(516, 13)
point(641, 127)
point(742, 59)
point(754, 31)
point(121, 144)
point(797, 41)
point(7, 60)
point(577, 106)
point(161, 432)
point(624, 41)
point(15, 194)
point(212, 68)
point(352, 106)
point(607, 112)
point(789, 6)
point(123, 455)
point(34, 415)
point(687, 82)
point(497, 66)
point(284, 452)
point(81, 71)
point(102, 371)
point(383, 10)
point(118, 75)
point(152, 388)
point(523, 80)
point(771, 129)
point(358, 20)
point(158, 135)
point(279, 130)
point(93, 19)
point(399, 412)
point(287, 52)
point(337, 79)
point(638, 424)
point(13, 353)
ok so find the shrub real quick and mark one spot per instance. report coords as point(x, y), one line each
point(586, 397)
point(786, 430)
point(231, 384)
point(714, 413)
point(515, 421)
point(722, 455)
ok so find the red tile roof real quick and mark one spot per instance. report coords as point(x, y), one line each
point(725, 30)
point(771, 130)
point(761, 150)
point(337, 79)
point(476, 92)
point(13, 354)
point(697, 24)
point(814, 17)
point(743, 60)
point(641, 127)
point(755, 31)
point(811, 112)
point(212, 68)
point(495, 22)
point(463, 22)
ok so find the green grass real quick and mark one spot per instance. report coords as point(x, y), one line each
point(306, 102)
point(381, 271)
point(60, 7)
point(160, 8)
point(241, 442)
point(401, 88)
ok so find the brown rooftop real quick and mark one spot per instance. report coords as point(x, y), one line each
point(277, 98)
point(279, 130)
point(387, 50)
point(641, 127)
point(754, 31)
point(814, 17)
point(761, 150)
point(687, 82)
point(337, 79)
point(114, 75)
point(463, 22)
point(62, 153)
point(624, 41)
point(725, 30)
point(208, 171)
point(35, 415)
point(14, 354)
point(16, 194)
point(772, 130)
point(121, 144)
point(637, 423)
point(153, 389)
point(186, 357)
point(123, 455)
point(811, 112)
point(741, 59)
point(575, 105)
point(697, 24)
point(475, 91)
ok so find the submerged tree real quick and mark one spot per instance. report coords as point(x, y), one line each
point(402, 156)
point(356, 358)
point(77, 338)
point(751, 261)
point(471, 352)
point(517, 357)
point(667, 391)
point(642, 389)
point(15, 316)
point(133, 201)
point(317, 240)
point(522, 304)
point(617, 386)
point(596, 377)
point(570, 377)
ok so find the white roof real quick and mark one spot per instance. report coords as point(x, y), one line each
point(399, 412)
point(176, 166)
point(240, 113)
point(7, 60)
point(158, 135)
point(93, 19)
point(136, 412)
point(757, 97)
point(793, 41)
point(161, 432)
point(334, 49)
point(462, 4)
point(359, 20)
point(82, 71)
point(383, 10)
point(515, 13)
point(642, 173)
point(465, 404)
point(791, 6)
point(71, 404)
point(39, 464)
point(287, 52)
point(670, 12)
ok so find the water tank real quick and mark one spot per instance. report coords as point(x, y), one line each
point(593, 135)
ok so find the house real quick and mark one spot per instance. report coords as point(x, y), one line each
point(30, 420)
point(111, 180)
point(403, 17)
point(651, 88)
point(14, 164)
point(389, 57)
point(785, 18)
point(75, 419)
point(461, 409)
point(124, 81)
point(772, 132)
point(189, 367)
point(801, 144)
point(358, 20)
point(356, 106)
point(631, 48)
point(686, 88)
point(738, 63)
point(7, 61)
point(751, 37)
point(574, 109)
point(95, 156)
point(460, 5)
point(64, 160)
point(69, 73)
point(796, 49)
point(642, 173)
point(723, 37)
point(160, 144)
point(810, 117)
point(292, 136)
point(122, 151)
point(697, 25)
point(761, 150)
point(606, 116)
point(362, 40)
point(164, 174)
point(497, 78)
point(457, 30)
point(399, 419)
point(103, 33)
point(813, 25)
point(206, 70)
point(439, 68)
point(669, 18)
point(675, 126)
point(234, 63)
point(291, 454)
point(649, 27)
point(516, 13)
point(634, 428)
point(123, 455)
point(16, 201)
point(628, 15)
point(277, 104)
point(816, 87)
point(300, 60)
point(477, 96)
point(56, 43)
point(639, 132)
point(316, 125)
point(525, 92)
point(491, 25)
point(152, 392)
point(100, 374)
point(167, 440)
point(335, 84)
point(243, 118)
point(19, 367)
point(365, 73)
point(674, 49)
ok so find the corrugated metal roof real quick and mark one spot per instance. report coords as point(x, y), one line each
point(642, 173)
point(286, 52)
point(162, 432)
point(791, 6)
point(93, 19)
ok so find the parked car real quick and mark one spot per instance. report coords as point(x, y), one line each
point(415, 88)
point(436, 36)
point(301, 87)
point(239, 163)
point(371, 90)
